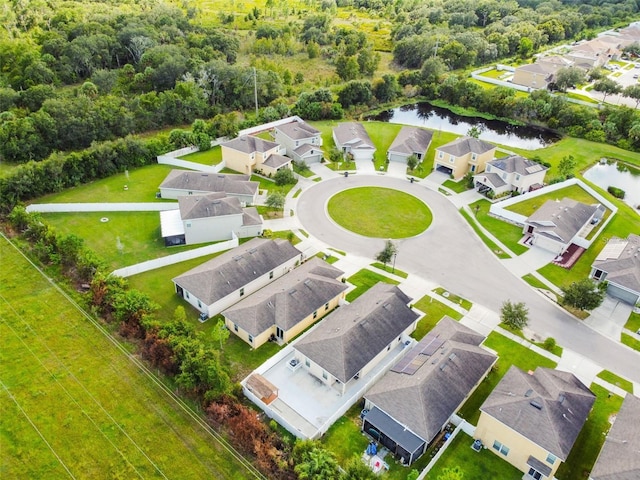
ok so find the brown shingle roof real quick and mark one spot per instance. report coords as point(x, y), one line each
point(211, 205)
point(621, 260)
point(353, 134)
point(548, 407)
point(209, 182)
point(411, 140)
point(250, 144)
point(517, 164)
point(562, 220)
point(464, 145)
point(298, 130)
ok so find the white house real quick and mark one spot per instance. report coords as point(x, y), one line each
point(351, 137)
point(208, 218)
point(302, 141)
point(225, 280)
point(182, 183)
point(512, 173)
point(618, 263)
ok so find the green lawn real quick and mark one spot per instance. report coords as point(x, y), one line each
point(506, 232)
point(270, 185)
point(534, 282)
point(345, 438)
point(591, 438)
point(338, 166)
point(142, 186)
point(389, 269)
point(379, 212)
point(439, 138)
point(616, 380)
point(464, 303)
point(138, 234)
point(530, 205)
point(74, 399)
point(509, 353)
point(630, 341)
point(434, 311)
point(458, 187)
point(327, 257)
point(382, 134)
point(556, 350)
point(633, 323)
point(213, 156)
point(491, 245)
point(475, 465)
point(363, 281)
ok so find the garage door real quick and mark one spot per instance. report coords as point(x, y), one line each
point(621, 294)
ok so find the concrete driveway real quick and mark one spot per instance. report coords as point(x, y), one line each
point(610, 317)
point(450, 254)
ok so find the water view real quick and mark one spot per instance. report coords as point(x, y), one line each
point(620, 175)
point(425, 115)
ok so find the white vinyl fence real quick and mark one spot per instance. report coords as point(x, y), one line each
point(102, 207)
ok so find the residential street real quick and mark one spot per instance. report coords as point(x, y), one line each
point(449, 254)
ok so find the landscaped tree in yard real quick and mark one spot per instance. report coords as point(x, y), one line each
point(568, 77)
point(313, 462)
point(515, 315)
point(356, 469)
point(220, 333)
point(275, 201)
point(566, 166)
point(284, 176)
point(607, 86)
point(412, 161)
point(387, 253)
point(584, 294)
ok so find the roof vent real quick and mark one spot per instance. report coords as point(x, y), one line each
point(561, 398)
point(535, 404)
point(528, 393)
point(270, 304)
point(292, 291)
point(443, 366)
point(452, 357)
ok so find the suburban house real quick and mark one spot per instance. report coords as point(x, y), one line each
point(283, 309)
point(618, 263)
point(248, 153)
point(465, 154)
point(536, 75)
point(208, 218)
point(182, 183)
point(532, 419)
point(619, 458)
point(409, 141)
point(301, 141)
point(224, 280)
point(509, 174)
point(414, 401)
point(355, 338)
point(351, 137)
point(558, 224)
point(273, 163)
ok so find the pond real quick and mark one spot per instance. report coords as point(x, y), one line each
point(620, 175)
point(423, 114)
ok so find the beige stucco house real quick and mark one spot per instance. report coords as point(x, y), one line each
point(465, 154)
point(532, 419)
point(535, 75)
point(225, 280)
point(283, 309)
point(247, 153)
point(512, 173)
point(301, 141)
point(408, 407)
point(183, 183)
point(354, 339)
point(618, 264)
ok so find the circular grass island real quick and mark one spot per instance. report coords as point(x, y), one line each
point(379, 212)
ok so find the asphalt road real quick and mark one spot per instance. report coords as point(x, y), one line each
point(450, 254)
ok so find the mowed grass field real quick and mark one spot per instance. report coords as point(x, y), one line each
point(75, 405)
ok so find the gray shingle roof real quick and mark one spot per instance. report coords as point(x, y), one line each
point(517, 164)
point(306, 147)
point(349, 338)
point(540, 67)
point(562, 220)
point(298, 130)
point(353, 134)
point(619, 458)
point(411, 140)
point(493, 178)
point(210, 182)
point(464, 145)
point(250, 144)
point(425, 400)
point(548, 407)
point(289, 299)
point(250, 216)
point(276, 160)
point(211, 205)
point(621, 260)
point(235, 268)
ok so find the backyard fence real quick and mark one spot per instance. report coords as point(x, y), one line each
point(439, 453)
point(101, 207)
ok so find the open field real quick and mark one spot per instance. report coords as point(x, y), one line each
point(75, 404)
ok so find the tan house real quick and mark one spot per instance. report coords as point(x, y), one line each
point(283, 309)
point(535, 75)
point(183, 183)
point(408, 407)
point(532, 419)
point(409, 141)
point(619, 458)
point(247, 153)
point(465, 154)
point(558, 224)
point(618, 264)
point(301, 141)
point(510, 174)
point(224, 280)
point(354, 339)
point(209, 218)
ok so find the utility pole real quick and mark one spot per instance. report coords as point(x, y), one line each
point(255, 89)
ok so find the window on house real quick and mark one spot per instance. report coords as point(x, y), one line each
point(297, 143)
point(235, 327)
point(199, 304)
point(270, 275)
point(499, 447)
point(188, 224)
point(315, 314)
point(189, 193)
point(504, 176)
point(474, 156)
point(186, 294)
point(307, 362)
point(241, 292)
point(451, 159)
point(324, 374)
point(326, 306)
point(388, 347)
point(517, 177)
point(551, 458)
point(488, 168)
point(250, 338)
point(473, 168)
point(533, 473)
point(440, 155)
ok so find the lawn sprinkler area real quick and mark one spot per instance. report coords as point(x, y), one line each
point(379, 212)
